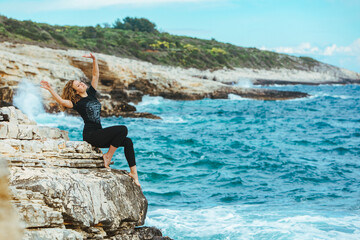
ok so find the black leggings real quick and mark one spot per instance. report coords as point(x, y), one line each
point(115, 136)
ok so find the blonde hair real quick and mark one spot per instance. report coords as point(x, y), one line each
point(69, 93)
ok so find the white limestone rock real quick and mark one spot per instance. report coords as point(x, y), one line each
point(6, 148)
point(86, 199)
point(52, 234)
point(61, 189)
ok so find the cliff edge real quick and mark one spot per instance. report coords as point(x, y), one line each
point(61, 189)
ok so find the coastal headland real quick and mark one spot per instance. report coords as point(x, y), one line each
point(124, 80)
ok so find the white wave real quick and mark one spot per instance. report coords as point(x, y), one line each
point(28, 99)
point(342, 96)
point(244, 222)
point(236, 97)
point(321, 94)
point(333, 84)
point(280, 85)
point(244, 83)
point(149, 100)
point(298, 99)
point(172, 119)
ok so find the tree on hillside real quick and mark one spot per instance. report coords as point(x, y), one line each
point(136, 24)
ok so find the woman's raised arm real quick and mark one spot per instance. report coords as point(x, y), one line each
point(63, 102)
point(95, 72)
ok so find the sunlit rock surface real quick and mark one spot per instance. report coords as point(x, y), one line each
point(61, 189)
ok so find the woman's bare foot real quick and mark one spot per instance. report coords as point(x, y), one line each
point(107, 160)
point(135, 177)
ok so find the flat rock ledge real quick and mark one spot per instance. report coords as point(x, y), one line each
point(60, 188)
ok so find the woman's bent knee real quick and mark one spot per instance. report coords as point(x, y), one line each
point(123, 129)
point(128, 142)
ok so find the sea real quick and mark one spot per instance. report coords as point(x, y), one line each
point(240, 168)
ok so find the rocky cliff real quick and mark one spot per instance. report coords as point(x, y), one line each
point(122, 80)
point(61, 189)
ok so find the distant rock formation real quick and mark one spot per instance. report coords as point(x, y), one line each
point(61, 189)
point(124, 80)
point(321, 73)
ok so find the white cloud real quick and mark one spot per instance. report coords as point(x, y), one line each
point(306, 48)
point(330, 50)
point(48, 5)
point(353, 49)
point(342, 56)
point(302, 48)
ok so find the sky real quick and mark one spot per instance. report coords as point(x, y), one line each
point(327, 30)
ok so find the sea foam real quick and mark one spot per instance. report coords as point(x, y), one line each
point(28, 99)
point(241, 222)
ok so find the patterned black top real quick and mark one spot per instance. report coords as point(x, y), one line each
point(89, 108)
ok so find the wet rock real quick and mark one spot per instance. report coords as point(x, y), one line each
point(138, 115)
point(111, 108)
point(134, 96)
point(341, 80)
point(6, 94)
point(141, 233)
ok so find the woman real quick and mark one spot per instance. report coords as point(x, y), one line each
point(79, 96)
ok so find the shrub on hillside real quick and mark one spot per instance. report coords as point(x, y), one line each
point(135, 24)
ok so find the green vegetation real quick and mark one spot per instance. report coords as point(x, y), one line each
point(138, 38)
point(136, 24)
point(309, 61)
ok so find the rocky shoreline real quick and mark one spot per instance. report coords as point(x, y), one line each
point(61, 190)
point(59, 187)
point(124, 81)
point(267, 82)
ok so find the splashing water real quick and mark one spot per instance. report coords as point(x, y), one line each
point(28, 99)
point(236, 97)
point(244, 82)
point(149, 100)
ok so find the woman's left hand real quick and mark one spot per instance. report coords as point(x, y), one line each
point(90, 56)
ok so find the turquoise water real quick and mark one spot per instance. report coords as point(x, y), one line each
point(247, 169)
